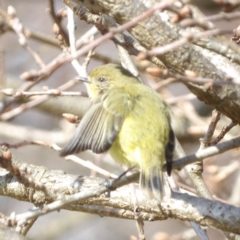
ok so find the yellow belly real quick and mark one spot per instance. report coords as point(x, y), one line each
point(142, 145)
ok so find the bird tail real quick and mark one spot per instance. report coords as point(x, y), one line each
point(152, 183)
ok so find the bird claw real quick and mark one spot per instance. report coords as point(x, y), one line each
point(108, 183)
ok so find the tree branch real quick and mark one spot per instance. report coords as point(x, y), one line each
point(81, 193)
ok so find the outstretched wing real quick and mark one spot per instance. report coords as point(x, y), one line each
point(99, 127)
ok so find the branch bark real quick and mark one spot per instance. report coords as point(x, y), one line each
point(60, 186)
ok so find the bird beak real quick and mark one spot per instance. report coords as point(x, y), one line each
point(83, 79)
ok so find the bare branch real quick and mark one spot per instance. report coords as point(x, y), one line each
point(202, 211)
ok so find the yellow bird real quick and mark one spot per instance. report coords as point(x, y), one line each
point(130, 120)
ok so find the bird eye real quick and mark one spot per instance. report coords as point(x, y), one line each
point(101, 79)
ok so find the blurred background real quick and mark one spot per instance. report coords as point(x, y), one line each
point(191, 122)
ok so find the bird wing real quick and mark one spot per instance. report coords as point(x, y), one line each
point(100, 125)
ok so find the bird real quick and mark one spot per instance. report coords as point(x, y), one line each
point(131, 121)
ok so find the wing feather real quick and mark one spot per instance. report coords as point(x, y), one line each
point(100, 125)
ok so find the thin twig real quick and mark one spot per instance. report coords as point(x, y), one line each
point(207, 152)
point(225, 130)
point(211, 128)
point(23, 107)
point(57, 20)
point(18, 28)
point(51, 92)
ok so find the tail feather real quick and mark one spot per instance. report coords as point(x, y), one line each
point(152, 183)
